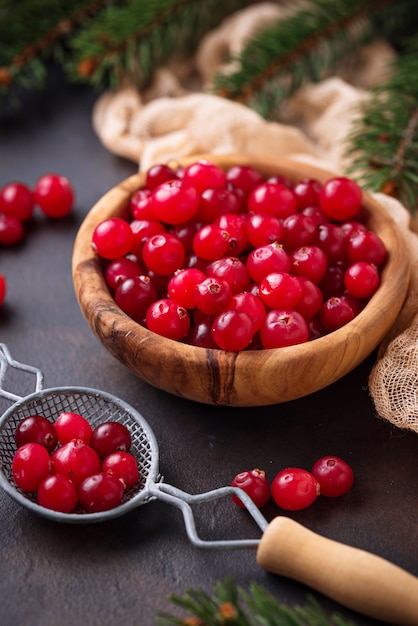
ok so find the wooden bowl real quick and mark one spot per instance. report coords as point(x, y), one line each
point(248, 378)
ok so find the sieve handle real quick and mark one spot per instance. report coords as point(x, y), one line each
point(6, 362)
point(355, 578)
point(184, 501)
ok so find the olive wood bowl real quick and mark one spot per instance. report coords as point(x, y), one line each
point(252, 377)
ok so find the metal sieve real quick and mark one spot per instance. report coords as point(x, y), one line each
point(355, 578)
point(97, 407)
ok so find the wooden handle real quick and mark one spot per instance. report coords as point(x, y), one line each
point(355, 578)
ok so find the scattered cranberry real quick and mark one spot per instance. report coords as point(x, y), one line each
point(54, 195)
point(16, 199)
point(255, 484)
point(3, 289)
point(294, 489)
point(334, 475)
point(11, 230)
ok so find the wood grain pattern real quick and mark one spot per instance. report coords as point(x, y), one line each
point(355, 578)
point(249, 378)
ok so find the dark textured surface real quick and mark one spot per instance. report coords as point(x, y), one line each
point(121, 572)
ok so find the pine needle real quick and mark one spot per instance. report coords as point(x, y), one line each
point(232, 606)
point(384, 140)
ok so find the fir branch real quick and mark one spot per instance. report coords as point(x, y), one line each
point(231, 605)
point(31, 35)
point(384, 140)
point(131, 40)
point(304, 47)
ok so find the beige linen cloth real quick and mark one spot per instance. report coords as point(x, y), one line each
point(177, 117)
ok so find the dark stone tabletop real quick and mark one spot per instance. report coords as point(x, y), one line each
point(122, 571)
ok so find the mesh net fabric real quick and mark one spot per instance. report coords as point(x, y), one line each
point(393, 381)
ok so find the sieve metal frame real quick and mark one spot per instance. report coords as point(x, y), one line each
point(152, 485)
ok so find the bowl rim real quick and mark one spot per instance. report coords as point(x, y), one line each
point(108, 321)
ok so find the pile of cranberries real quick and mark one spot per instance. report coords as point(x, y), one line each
point(295, 488)
point(52, 193)
point(69, 465)
point(231, 260)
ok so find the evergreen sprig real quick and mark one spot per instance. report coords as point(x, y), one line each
point(131, 39)
point(384, 139)
point(34, 33)
point(306, 46)
point(232, 606)
point(101, 42)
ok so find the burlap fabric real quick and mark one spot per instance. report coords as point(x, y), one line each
point(177, 117)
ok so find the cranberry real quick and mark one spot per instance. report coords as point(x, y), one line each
point(309, 261)
point(123, 466)
point(70, 426)
point(144, 229)
point(283, 328)
point(36, 429)
point(243, 177)
point(263, 229)
point(163, 254)
point(361, 279)
point(211, 242)
point(294, 489)
point(307, 192)
point(215, 202)
point(56, 492)
point(135, 295)
point(110, 437)
point(140, 205)
point(167, 318)
point(213, 295)
point(120, 270)
point(112, 238)
point(334, 475)
point(274, 199)
point(11, 230)
point(175, 202)
point(55, 195)
point(182, 284)
point(255, 484)
point(100, 492)
point(3, 288)
point(266, 259)
point(200, 334)
point(231, 269)
point(158, 174)
point(204, 175)
point(250, 304)
point(335, 313)
point(75, 460)
point(232, 330)
point(280, 290)
point(340, 198)
point(30, 464)
point(17, 199)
